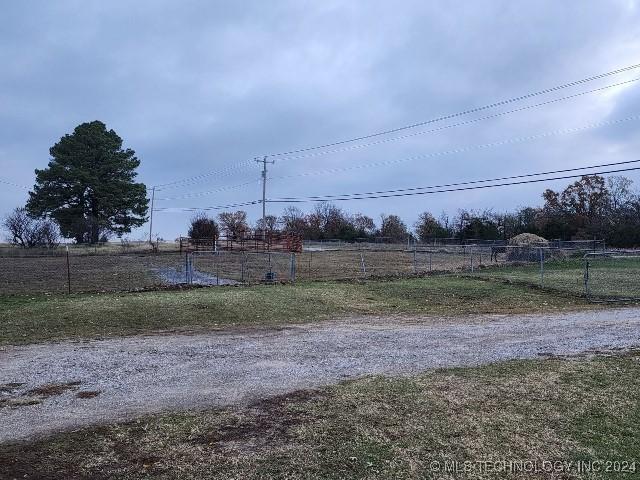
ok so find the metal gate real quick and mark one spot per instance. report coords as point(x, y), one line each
point(232, 268)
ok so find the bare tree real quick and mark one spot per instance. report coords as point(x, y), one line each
point(48, 233)
point(293, 221)
point(234, 223)
point(271, 222)
point(620, 193)
point(393, 228)
point(27, 231)
point(364, 225)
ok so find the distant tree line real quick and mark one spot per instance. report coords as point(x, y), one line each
point(592, 207)
point(325, 222)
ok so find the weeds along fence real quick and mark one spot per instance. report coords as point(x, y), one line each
point(598, 276)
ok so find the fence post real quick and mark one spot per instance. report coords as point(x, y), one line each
point(414, 259)
point(217, 269)
point(471, 256)
point(191, 269)
point(586, 278)
point(541, 254)
point(242, 267)
point(292, 273)
point(363, 268)
point(68, 271)
point(187, 268)
point(430, 261)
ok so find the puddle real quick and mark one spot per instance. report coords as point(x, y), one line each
point(171, 276)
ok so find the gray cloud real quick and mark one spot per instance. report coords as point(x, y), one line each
point(195, 86)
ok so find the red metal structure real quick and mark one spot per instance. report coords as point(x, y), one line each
point(270, 242)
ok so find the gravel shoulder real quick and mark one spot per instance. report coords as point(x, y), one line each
point(50, 387)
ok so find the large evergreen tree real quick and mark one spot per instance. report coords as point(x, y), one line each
point(88, 187)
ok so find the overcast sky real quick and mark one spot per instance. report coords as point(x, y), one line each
point(198, 86)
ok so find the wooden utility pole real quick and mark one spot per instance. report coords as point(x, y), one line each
point(264, 162)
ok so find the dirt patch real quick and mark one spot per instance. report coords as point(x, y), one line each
point(19, 402)
point(9, 387)
point(52, 389)
point(10, 395)
point(88, 393)
point(264, 425)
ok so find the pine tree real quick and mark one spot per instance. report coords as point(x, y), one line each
point(88, 188)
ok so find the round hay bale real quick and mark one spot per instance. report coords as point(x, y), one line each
point(528, 240)
point(524, 247)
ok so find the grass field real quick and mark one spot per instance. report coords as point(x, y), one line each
point(553, 410)
point(611, 278)
point(135, 271)
point(89, 273)
point(35, 318)
point(608, 277)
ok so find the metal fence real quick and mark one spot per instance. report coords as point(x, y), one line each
point(612, 276)
point(597, 276)
point(594, 245)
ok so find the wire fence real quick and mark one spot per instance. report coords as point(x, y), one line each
point(612, 276)
point(599, 276)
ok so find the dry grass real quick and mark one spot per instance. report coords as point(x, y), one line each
point(51, 317)
point(89, 273)
point(545, 410)
point(136, 271)
point(107, 273)
point(335, 264)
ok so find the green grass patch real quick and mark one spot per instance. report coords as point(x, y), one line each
point(555, 410)
point(28, 319)
point(615, 278)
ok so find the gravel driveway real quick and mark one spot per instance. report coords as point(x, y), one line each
point(154, 373)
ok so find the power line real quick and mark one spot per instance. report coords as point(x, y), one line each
point(459, 124)
point(7, 182)
point(470, 182)
point(209, 192)
point(240, 165)
point(459, 114)
point(216, 207)
point(463, 149)
point(407, 192)
point(198, 178)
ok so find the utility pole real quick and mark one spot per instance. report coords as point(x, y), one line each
point(153, 197)
point(264, 162)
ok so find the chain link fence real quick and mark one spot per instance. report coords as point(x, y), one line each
point(604, 275)
point(85, 273)
point(612, 276)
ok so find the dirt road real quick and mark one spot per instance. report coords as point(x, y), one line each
point(145, 374)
